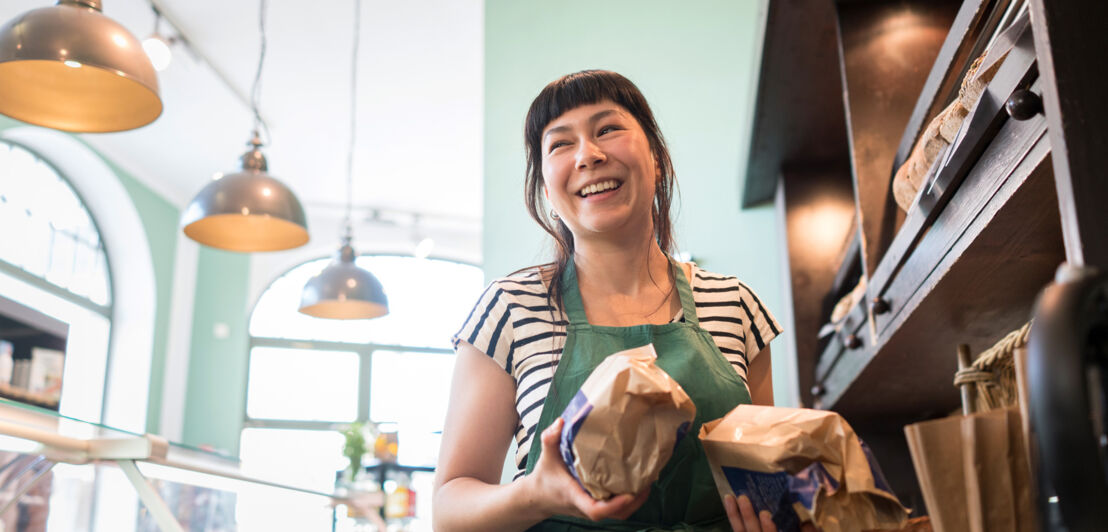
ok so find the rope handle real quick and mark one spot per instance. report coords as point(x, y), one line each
point(971, 376)
point(979, 370)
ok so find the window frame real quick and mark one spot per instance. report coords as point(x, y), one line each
point(42, 282)
point(364, 351)
point(365, 377)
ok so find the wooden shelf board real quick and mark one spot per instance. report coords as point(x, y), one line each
point(798, 111)
point(29, 397)
point(983, 288)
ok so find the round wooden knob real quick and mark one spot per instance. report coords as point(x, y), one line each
point(1023, 104)
point(880, 305)
point(852, 342)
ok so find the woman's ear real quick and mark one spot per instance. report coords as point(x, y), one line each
point(545, 192)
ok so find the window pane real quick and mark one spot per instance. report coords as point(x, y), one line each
point(412, 390)
point(303, 384)
point(307, 458)
point(62, 259)
point(423, 484)
point(428, 301)
point(47, 229)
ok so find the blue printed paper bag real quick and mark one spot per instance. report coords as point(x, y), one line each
point(621, 427)
point(800, 465)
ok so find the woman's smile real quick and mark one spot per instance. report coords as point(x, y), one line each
point(598, 191)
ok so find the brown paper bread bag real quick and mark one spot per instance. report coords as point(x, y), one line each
point(621, 427)
point(800, 465)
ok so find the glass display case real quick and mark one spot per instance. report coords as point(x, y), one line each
point(60, 473)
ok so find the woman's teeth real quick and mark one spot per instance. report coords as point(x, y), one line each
point(598, 187)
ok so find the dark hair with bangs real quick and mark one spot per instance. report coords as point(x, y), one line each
point(565, 94)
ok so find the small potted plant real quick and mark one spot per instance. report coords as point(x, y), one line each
point(354, 449)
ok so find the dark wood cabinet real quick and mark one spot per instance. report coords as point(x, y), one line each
point(847, 89)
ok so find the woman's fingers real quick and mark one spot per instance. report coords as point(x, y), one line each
point(767, 521)
point(616, 507)
point(596, 510)
point(750, 516)
point(731, 505)
point(632, 504)
point(550, 435)
point(558, 478)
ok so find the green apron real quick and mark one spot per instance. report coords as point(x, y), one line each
point(684, 497)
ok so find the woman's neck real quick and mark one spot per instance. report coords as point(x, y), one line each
point(625, 285)
point(626, 270)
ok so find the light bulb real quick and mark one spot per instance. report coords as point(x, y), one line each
point(157, 48)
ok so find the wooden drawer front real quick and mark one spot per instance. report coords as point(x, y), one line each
point(988, 146)
point(977, 283)
point(840, 353)
point(1008, 149)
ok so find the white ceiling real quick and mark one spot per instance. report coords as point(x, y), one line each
point(420, 103)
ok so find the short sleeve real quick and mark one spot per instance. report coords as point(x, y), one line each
point(759, 326)
point(488, 326)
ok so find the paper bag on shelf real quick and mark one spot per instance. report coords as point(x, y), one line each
point(973, 471)
point(936, 448)
point(620, 429)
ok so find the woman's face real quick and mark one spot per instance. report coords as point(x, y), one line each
point(599, 171)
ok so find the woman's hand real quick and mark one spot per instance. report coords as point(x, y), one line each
point(744, 519)
point(560, 493)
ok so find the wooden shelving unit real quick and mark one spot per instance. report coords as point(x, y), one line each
point(840, 107)
point(26, 396)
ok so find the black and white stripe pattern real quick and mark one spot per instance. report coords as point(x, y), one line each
point(514, 323)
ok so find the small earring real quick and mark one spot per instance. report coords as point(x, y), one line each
point(554, 215)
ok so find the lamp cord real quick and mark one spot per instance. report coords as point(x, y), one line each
point(353, 115)
point(256, 89)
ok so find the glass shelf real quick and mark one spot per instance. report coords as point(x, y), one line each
point(69, 474)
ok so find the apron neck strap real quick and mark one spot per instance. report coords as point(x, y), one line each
point(684, 290)
point(571, 296)
point(575, 308)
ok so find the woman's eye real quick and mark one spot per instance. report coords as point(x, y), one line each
point(607, 129)
point(557, 145)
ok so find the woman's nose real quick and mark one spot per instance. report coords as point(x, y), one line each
point(589, 154)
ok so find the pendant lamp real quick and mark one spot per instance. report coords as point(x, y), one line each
point(343, 290)
point(157, 46)
point(69, 67)
point(249, 210)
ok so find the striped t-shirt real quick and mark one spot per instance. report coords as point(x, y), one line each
point(514, 323)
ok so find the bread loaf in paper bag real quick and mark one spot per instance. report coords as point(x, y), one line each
point(621, 427)
point(800, 465)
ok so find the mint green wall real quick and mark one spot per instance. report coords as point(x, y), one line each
point(214, 399)
point(697, 63)
point(159, 220)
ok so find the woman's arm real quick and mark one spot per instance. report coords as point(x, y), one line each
point(480, 421)
point(760, 378)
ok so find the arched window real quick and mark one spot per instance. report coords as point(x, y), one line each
point(53, 272)
point(309, 377)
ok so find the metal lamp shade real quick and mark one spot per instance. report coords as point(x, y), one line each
point(343, 291)
point(247, 211)
point(69, 67)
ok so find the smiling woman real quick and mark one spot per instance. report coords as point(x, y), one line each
point(596, 155)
